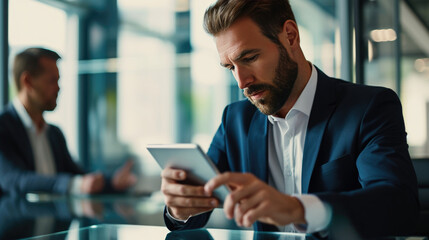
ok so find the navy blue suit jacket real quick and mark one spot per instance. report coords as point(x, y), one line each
point(17, 169)
point(355, 156)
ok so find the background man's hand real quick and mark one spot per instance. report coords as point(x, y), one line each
point(184, 201)
point(251, 200)
point(124, 178)
point(92, 183)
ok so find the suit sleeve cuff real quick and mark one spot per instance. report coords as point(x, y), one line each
point(317, 214)
point(169, 216)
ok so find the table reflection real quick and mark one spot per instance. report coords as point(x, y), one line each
point(218, 234)
point(130, 232)
point(40, 214)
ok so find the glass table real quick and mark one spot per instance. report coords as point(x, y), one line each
point(130, 232)
point(137, 232)
point(39, 216)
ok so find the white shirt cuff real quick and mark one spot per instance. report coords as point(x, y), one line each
point(317, 213)
point(75, 185)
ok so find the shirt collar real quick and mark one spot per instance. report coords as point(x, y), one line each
point(25, 117)
point(305, 100)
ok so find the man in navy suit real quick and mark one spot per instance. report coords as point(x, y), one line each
point(304, 151)
point(33, 154)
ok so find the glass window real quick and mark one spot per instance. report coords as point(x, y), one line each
point(169, 86)
point(380, 38)
point(415, 75)
point(318, 27)
point(147, 77)
point(400, 61)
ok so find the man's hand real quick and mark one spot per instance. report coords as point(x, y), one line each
point(184, 201)
point(124, 178)
point(92, 183)
point(253, 200)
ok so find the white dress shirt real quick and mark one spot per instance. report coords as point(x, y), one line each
point(286, 139)
point(42, 152)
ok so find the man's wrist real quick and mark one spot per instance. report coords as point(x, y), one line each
point(300, 212)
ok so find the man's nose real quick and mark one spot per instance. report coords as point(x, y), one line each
point(243, 76)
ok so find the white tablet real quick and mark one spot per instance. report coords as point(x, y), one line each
point(189, 157)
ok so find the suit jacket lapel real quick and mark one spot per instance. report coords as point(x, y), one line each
point(21, 137)
point(323, 106)
point(257, 146)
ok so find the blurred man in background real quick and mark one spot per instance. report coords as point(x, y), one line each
point(33, 153)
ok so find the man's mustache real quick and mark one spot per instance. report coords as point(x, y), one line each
point(256, 88)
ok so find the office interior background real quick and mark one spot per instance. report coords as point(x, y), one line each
point(137, 72)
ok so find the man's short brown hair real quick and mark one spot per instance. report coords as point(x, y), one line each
point(28, 61)
point(269, 15)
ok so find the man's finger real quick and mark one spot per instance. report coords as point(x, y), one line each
point(131, 180)
point(227, 178)
point(183, 190)
point(128, 166)
point(194, 202)
point(244, 201)
point(250, 217)
point(175, 174)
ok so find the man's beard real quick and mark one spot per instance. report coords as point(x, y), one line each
point(51, 107)
point(279, 91)
point(51, 104)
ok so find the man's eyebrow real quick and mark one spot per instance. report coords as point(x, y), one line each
point(241, 55)
point(225, 65)
point(245, 52)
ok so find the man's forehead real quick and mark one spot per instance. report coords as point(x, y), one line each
point(242, 37)
point(230, 44)
point(228, 48)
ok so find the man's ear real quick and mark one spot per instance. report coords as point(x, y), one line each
point(290, 30)
point(25, 80)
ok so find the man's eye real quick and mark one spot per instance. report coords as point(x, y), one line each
point(250, 59)
point(231, 68)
